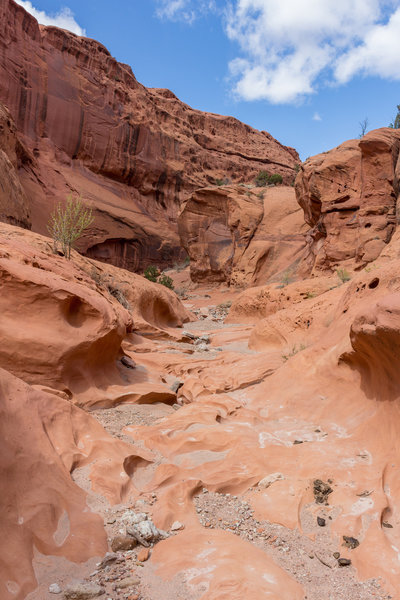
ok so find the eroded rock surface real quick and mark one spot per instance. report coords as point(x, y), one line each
point(349, 197)
point(240, 235)
point(133, 153)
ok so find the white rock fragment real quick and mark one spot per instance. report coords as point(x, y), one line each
point(270, 479)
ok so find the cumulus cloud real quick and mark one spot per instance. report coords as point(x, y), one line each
point(317, 117)
point(64, 18)
point(290, 47)
point(184, 10)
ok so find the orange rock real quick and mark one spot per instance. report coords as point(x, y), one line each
point(349, 199)
point(143, 554)
point(241, 236)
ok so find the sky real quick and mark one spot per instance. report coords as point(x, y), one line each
point(309, 72)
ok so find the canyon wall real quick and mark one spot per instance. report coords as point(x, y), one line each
point(134, 154)
point(349, 196)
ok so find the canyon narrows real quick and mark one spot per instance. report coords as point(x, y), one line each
point(236, 436)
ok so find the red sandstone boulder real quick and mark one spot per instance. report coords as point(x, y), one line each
point(349, 198)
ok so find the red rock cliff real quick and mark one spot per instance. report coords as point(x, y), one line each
point(349, 196)
point(133, 153)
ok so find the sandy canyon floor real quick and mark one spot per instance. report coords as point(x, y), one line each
point(262, 496)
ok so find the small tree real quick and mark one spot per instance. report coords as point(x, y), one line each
point(262, 179)
point(151, 273)
point(364, 126)
point(166, 280)
point(396, 122)
point(68, 222)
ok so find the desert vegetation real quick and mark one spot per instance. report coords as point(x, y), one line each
point(68, 222)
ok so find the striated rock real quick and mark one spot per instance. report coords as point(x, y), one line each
point(349, 197)
point(133, 153)
point(14, 205)
point(241, 236)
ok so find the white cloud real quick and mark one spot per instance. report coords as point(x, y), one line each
point(317, 117)
point(64, 18)
point(379, 54)
point(290, 47)
point(184, 10)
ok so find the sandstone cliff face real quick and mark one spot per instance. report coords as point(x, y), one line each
point(242, 236)
point(133, 153)
point(349, 197)
point(14, 205)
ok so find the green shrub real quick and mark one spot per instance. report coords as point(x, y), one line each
point(343, 275)
point(263, 179)
point(219, 182)
point(151, 273)
point(275, 179)
point(166, 280)
point(294, 351)
point(68, 222)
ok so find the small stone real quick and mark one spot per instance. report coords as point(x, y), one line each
point(123, 542)
point(321, 522)
point(336, 555)
point(344, 562)
point(109, 558)
point(202, 347)
point(176, 386)
point(297, 442)
point(321, 491)
point(270, 479)
point(177, 526)
point(128, 362)
point(350, 542)
point(128, 582)
point(386, 524)
point(143, 555)
point(111, 520)
point(83, 591)
point(54, 588)
point(188, 334)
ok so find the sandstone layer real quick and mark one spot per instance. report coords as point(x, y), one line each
point(242, 236)
point(349, 196)
point(133, 153)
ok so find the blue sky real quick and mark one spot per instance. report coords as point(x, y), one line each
point(307, 71)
